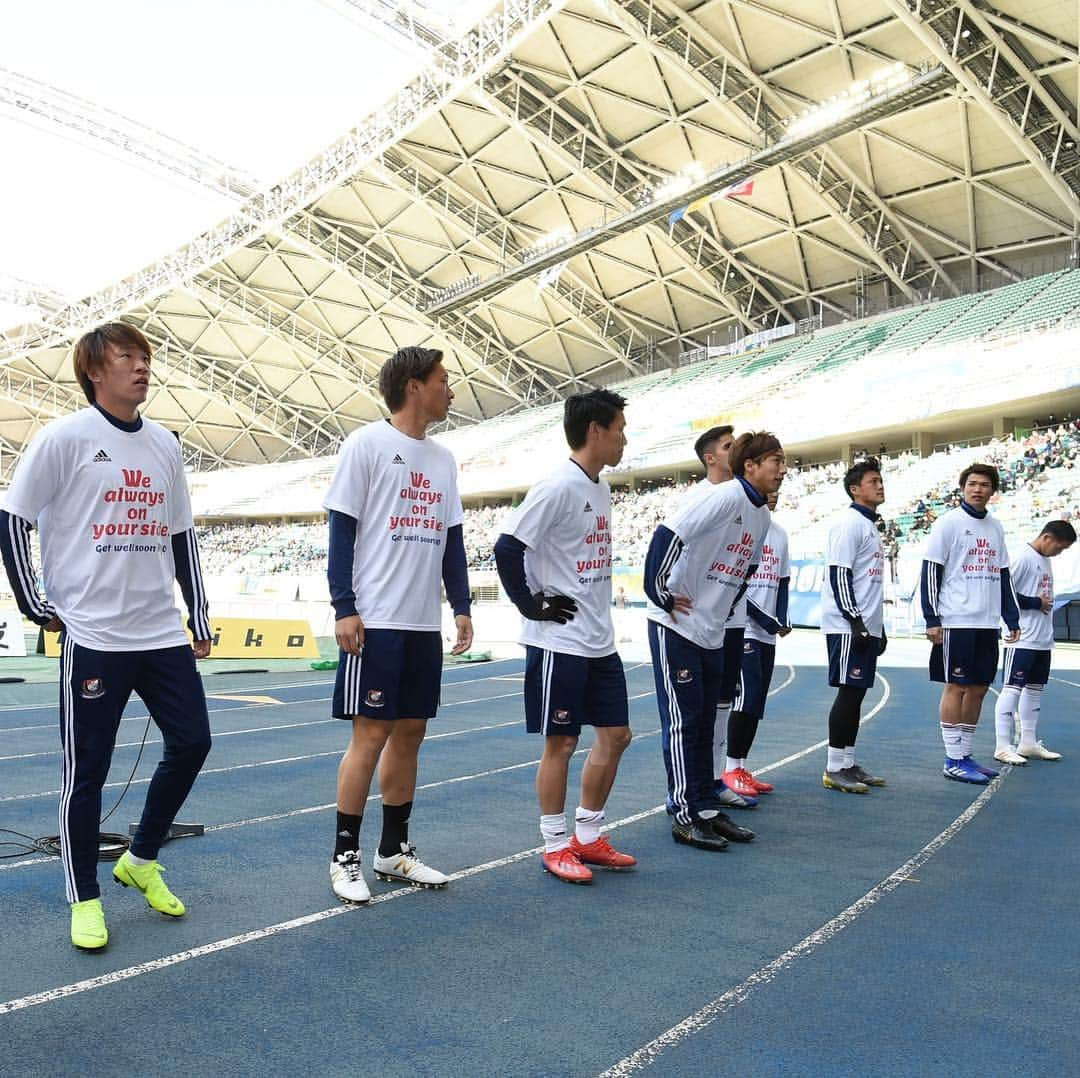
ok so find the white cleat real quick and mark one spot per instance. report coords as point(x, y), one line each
point(1010, 756)
point(406, 867)
point(347, 878)
point(1038, 751)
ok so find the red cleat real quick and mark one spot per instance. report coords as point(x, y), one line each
point(601, 853)
point(762, 787)
point(741, 781)
point(566, 865)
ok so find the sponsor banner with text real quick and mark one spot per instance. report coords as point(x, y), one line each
point(247, 638)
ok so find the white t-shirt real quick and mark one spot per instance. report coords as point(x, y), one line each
point(972, 551)
point(854, 543)
point(107, 502)
point(403, 495)
point(764, 587)
point(565, 522)
point(1032, 574)
point(722, 533)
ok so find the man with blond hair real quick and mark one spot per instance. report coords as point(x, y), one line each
point(106, 489)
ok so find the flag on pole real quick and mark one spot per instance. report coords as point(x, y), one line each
point(736, 190)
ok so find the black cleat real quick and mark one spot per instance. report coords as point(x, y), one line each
point(699, 834)
point(844, 781)
point(860, 775)
point(725, 827)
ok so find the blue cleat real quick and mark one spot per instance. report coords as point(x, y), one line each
point(728, 798)
point(964, 771)
point(989, 772)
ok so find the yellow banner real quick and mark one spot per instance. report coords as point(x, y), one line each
point(246, 638)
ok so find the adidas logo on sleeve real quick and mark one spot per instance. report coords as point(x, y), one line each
point(100, 456)
point(397, 459)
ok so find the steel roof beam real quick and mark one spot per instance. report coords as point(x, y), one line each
point(1013, 98)
point(449, 70)
point(502, 237)
point(726, 79)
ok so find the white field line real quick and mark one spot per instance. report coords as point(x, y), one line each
point(227, 710)
point(52, 995)
point(262, 688)
point(254, 729)
point(694, 1023)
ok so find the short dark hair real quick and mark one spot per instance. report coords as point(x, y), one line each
point(706, 440)
point(89, 351)
point(405, 363)
point(597, 406)
point(988, 470)
point(753, 445)
point(858, 471)
point(1061, 530)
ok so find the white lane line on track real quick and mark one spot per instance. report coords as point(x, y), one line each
point(694, 1023)
point(259, 729)
point(222, 710)
point(294, 759)
point(52, 995)
point(63, 992)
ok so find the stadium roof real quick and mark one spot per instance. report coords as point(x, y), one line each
point(518, 201)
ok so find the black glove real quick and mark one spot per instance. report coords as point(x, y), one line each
point(556, 608)
point(860, 635)
point(883, 643)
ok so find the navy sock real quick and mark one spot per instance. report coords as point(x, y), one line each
point(395, 828)
point(348, 833)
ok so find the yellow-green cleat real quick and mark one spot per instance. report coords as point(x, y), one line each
point(147, 879)
point(88, 931)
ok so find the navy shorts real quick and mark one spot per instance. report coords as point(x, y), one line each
point(1024, 666)
point(758, 659)
point(851, 665)
point(397, 676)
point(965, 657)
point(565, 692)
point(733, 647)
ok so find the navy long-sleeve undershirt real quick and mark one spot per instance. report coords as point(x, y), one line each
point(339, 568)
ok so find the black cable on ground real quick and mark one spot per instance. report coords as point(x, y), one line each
point(110, 845)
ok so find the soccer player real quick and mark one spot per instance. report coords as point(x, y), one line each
point(554, 560)
point(852, 621)
point(395, 530)
point(966, 591)
point(106, 489)
point(1026, 667)
point(766, 602)
point(696, 569)
point(712, 449)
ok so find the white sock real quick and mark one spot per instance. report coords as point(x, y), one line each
point(967, 735)
point(732, 764)
point(849, 756)
point(587, 824)
point(138, 861)
point(1004, 717)
point(951, 736)
point(742, 763)
point(553, 832)
point(836, 760)
point(719, 757)
point(1030, 707)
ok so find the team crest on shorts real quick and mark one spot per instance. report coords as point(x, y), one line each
point(561, 715)
point(375, 698)
point(856, 671)
point(93, 688)
point(748, 647)
point(958, 671)
point(683, 677)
